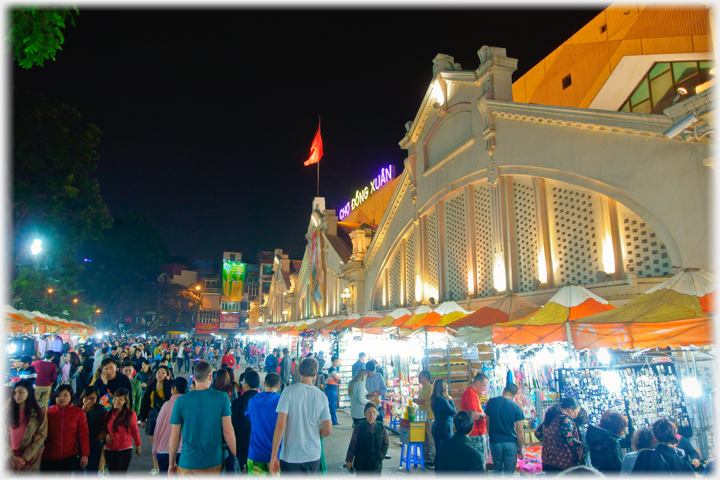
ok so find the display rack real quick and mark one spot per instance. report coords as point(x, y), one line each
point(450, 364)
point(644, 393)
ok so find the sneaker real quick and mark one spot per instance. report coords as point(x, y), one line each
point(430, 465)
point(154, 471)
point(102, 473)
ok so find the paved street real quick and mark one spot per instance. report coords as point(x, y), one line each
point(335, 448)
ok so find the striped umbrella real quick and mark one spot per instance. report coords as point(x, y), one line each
point(551, 322)
point(367, 319)
point(506, 309)
point(418, 315)
point(673, 313)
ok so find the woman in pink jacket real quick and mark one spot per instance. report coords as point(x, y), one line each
point(121, 430)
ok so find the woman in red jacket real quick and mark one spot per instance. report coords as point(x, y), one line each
point(228, 359)
point(122, 429)
point(67, 427)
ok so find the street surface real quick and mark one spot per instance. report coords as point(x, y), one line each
point(335, 447)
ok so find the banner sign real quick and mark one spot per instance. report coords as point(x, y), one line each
point(316, 272)
point(206, 328)
point(229, 318)
point(233, 281)
point(386, 174)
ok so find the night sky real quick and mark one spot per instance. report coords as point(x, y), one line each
point(207, 116)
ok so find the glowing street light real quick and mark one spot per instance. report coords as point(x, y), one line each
point(197, 288)
point(75, 300)
point(36, 246)
point(98, 311)
point(50, 290)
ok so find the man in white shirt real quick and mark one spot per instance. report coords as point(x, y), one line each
point(301, 408)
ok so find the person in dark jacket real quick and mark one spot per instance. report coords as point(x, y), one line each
point(241, 424)
point(455, 454)
point(582, 421)
point(111, 380)
point(271, 362)
point(95, 414)
point(444, 409)
point(691, 455)
point(604, 442)
point(664, 459)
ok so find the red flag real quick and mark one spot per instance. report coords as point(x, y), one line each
point(316, 150)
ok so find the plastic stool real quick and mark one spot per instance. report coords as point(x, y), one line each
point(412, 454)
point(394, 422)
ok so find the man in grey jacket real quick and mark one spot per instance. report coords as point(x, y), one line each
point(285, 369)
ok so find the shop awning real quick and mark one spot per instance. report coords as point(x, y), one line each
point(351, 321)
point(367, 319)
point(393, 319)
point(436, 320)
point(674, 313)
point(506, 309)
point(335, 323)
point(321, 323)
point(547, 325)
point(418, 315)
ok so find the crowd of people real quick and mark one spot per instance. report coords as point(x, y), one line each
point(83, 412)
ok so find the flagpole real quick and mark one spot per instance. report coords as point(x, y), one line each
point(318, 165)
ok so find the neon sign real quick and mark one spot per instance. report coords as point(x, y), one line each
point(386, 174)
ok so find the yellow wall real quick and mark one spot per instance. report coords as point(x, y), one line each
point(590, 56)
point(373, 209)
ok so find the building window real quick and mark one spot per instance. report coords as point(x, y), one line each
point(267, 270)
point(567, 81)
point(657, 90)
point(266, 287)
point(232, 257)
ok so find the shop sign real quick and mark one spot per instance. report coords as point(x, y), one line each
point(233, 281)
point(470, 353)
point(229, 318)
point(206, 328)
point(386, 174)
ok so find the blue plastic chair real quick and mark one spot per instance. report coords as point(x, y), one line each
point(412, 454)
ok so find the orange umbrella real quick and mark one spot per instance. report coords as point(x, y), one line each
point(351, 321)
point(506, 309)
point(418, 315)
point(675, 310)
point(335, 323)
point(367, 319)
point(393, 319)
point(548, 324)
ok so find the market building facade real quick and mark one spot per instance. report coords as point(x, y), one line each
point(594, 168)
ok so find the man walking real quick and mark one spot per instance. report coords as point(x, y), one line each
point(201, 418)
point(470, 402)
point(241, 424)
point(332, 386)
point(262, 414)
point(46, 372)
point(423, 400)
point(375, 385)
point(505, 428)
point(271, 362)
point(300, 409)
point(362, 358)
point(285, 369)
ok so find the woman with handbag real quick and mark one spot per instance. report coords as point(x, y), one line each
point(358, 396)
point(444, 409)
point(28, 429)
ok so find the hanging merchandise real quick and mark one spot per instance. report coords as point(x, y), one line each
point(643, 393)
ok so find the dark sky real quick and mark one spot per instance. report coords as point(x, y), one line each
point(207, 116)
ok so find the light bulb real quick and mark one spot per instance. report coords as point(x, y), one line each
point(692, 387)
point(603, 356)
point(612, 381)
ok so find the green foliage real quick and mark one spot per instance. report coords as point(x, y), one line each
point(164, 306)
point(30, 292)
point(54, 193)
point(36, 34)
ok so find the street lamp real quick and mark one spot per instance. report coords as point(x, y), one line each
point(197, 288)
point(285, 312)
point(50, 290)
point(75, 300)
point(98, 310)
point(36, 246)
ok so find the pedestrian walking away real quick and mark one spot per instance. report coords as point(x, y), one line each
point(200, 418)
point(505, 421)
point(301, 408)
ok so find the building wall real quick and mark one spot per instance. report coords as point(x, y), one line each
point(372, 210)
point(592, 55)
point(567, 193)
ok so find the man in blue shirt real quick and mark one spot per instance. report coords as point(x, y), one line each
point(362, 358)
point(375, 385)
point(200, 417)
